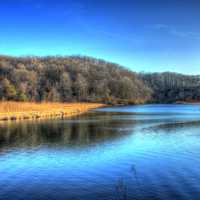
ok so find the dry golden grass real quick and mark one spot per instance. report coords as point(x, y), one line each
point(25, 110)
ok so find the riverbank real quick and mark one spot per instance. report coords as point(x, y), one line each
point(188, 102)
point(33, 111)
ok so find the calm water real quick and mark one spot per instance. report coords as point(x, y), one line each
point(137, 152)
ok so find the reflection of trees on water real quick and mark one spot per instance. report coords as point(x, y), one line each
point(87, 129)
point(172, 127)
point(83, 130)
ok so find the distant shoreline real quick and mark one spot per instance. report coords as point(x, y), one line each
point(188, 102)
point(15, 111)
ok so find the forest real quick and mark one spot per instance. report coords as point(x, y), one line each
point(172, 87)
point(86, 79)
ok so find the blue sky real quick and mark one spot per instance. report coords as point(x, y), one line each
point(143, 35)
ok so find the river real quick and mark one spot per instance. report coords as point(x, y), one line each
point(147, 152)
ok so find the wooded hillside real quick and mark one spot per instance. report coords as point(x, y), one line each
point(68, 79)
point(85, 79)
point(172, 87)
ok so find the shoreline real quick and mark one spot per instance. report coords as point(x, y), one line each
point(18, 111)
point(188, 102)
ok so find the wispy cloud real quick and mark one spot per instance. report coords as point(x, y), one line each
point(176, 31)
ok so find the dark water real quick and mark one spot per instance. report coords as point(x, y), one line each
point(140, 152)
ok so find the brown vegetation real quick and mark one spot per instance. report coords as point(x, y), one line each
point(85, 79)
point(68, 79)
point(25, 110)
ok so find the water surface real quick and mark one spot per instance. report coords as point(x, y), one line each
point(133, 152)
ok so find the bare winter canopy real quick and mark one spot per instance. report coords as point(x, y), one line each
point(68, 79)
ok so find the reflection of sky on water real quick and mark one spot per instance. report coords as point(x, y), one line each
point(154, 156)
point(156, 109)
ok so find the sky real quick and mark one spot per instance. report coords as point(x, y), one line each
point(143, 35)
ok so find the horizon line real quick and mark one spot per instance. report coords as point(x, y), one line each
point(91, 57)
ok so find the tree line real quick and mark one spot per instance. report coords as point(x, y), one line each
point(172, 87)
point(66, 79)
point(85, 79)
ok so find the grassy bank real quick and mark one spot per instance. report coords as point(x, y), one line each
point(22, 110)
